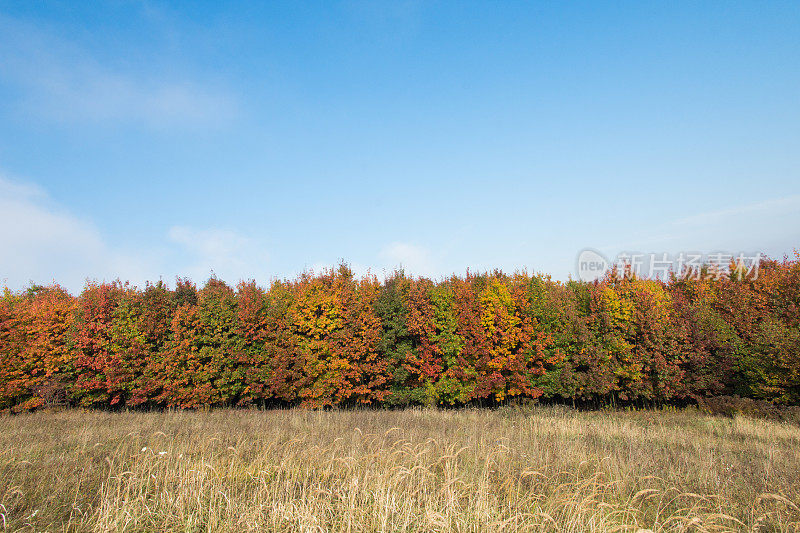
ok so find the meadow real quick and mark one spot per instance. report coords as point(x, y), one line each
point(525, 468)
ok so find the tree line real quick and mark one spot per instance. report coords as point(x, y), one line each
point(333, 339)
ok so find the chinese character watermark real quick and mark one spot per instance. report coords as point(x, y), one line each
point(592, 265)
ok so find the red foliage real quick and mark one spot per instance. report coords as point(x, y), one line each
point(331, 339)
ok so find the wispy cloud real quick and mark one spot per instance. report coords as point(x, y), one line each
point(225, 253)
point(63, 82)
point(414, 259)
point(44, 243)
point(771, 227)
point(769, 208)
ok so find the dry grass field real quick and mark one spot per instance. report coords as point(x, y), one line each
point(511, 469)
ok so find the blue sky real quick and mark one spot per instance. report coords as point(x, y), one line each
point(145, 140)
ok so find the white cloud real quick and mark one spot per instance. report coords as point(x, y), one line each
point(415, 260)
point(63, 82)
point(229, 255)
point(770, 227)
point(745, 213)
point(44, 243)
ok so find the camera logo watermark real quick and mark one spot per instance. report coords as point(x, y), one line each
point(592, 265)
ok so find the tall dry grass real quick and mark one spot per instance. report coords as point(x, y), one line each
point(533, 469)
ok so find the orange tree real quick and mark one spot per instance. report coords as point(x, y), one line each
point(37, 365)
point(513, 350)
point(336, 335)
